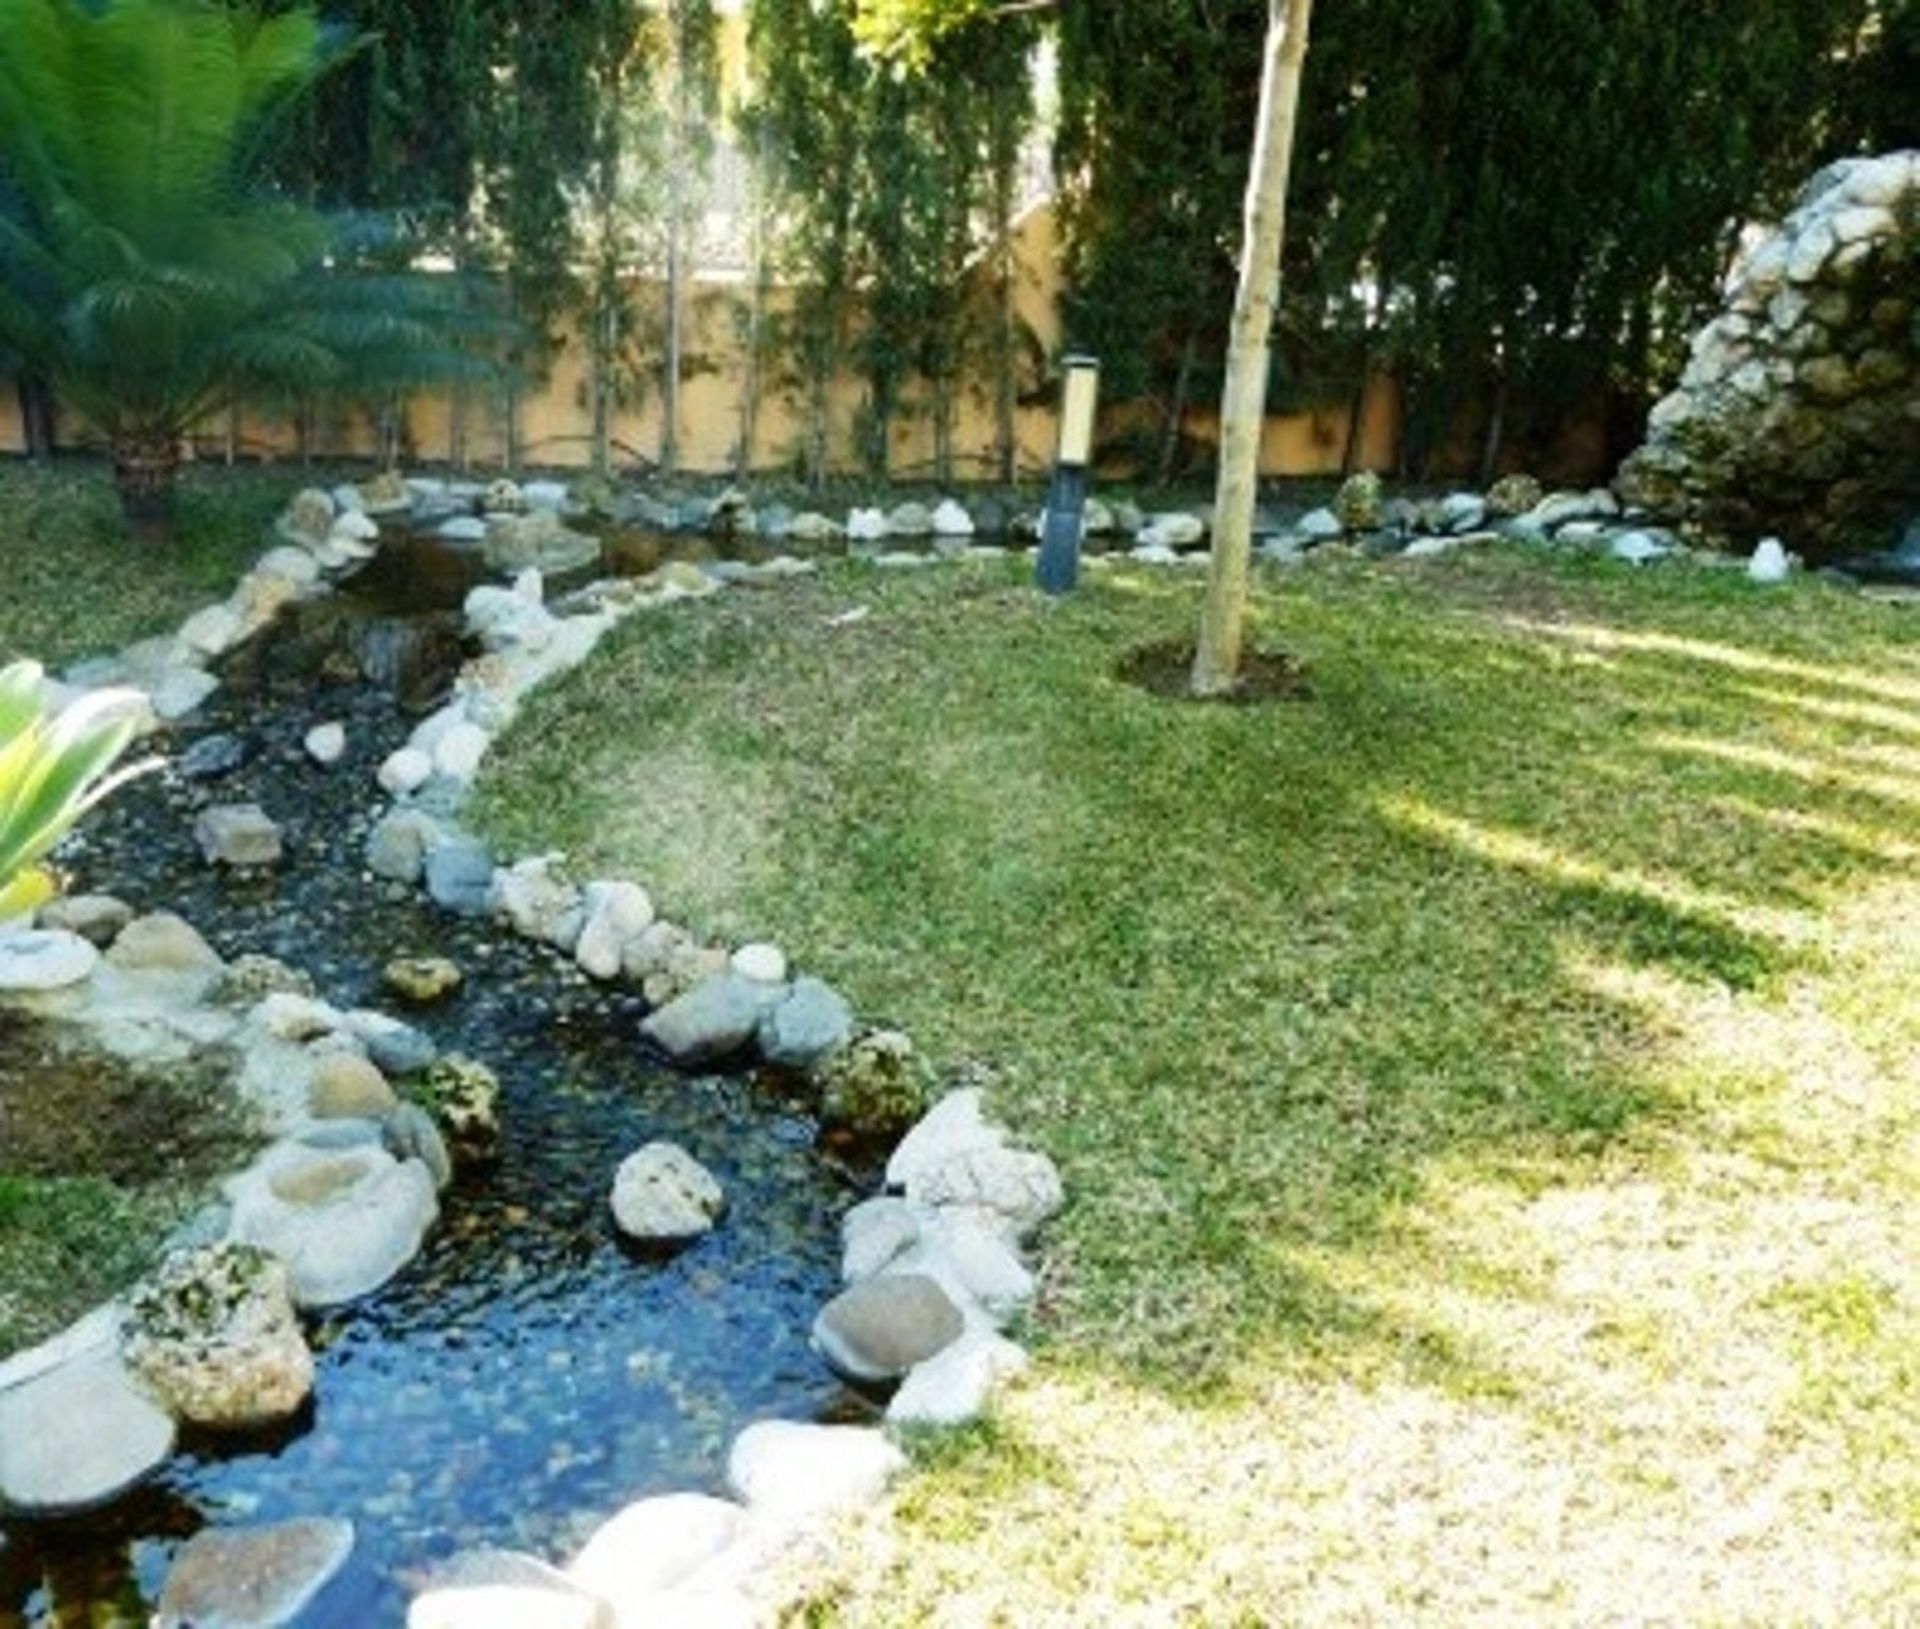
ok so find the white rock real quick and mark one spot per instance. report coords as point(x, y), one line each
point(77, 1436)
point(45, 959)
point(290, 1017)
point(1463, 511)
point(615, 912)
point(177, 691)
point(866, 525)
point(785, 1469)
point(326, 744)
point(950, 520)
point(355, 526)
point(540, 902)
point(1638, 548)
point(1153, 554)
point(458, 754)
point(502, 1589)
point(953, 1126)
point(1770, 563)
point(1173, 529)
point(977, 1259)
point(344, 1221)
point(463, 529)
point(505, 618)
point(404, 771)
point(296, 565)
point(252, 1577)
point(1810, 252)
point(954, 1387)
point(653, 1545)
point(212, 630)
point(953, 1157)
point(1427, 548)
point(764, 963)
point(876, 1232)
point(544, 494)
point(662, 1194)
point(1319, 525)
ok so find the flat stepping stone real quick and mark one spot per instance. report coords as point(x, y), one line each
point(252, 1577)
point(45, 959)
point(79, 1436)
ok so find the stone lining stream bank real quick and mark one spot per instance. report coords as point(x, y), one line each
point(526, 1375)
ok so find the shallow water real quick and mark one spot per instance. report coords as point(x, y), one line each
point(527, 1375)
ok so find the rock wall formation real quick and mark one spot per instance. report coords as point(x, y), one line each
point(1799, 410)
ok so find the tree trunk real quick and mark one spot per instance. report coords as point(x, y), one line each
point(600, 383)
point(676, 209)
point(36, 414)
point(1006, 336)
point(1496, 431)
point(1243, 401)
point(1177, 410)
point(146, 473)
point(755, 338)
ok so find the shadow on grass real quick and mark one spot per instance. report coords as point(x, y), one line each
point(1264, 975)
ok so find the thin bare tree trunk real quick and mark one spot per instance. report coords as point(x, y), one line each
point(1176, 410)
point(1496, 431)
point(756, 322)
point(676, 208)
point(1243, 401)
point(1006, 328)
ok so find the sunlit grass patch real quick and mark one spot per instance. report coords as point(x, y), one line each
point(1448, 1072)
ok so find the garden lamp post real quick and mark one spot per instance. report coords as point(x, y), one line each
point(1059, 564)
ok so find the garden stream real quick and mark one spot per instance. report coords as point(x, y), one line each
point(526, 1376)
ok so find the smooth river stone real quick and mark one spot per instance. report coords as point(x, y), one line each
point(78, 1436)
point(252, 1577)
point(789, 1470)
point(45, 959)
point(881, 1327)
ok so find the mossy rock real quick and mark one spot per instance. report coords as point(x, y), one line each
point(878, 1087)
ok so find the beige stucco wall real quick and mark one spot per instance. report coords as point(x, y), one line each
point(555, 424)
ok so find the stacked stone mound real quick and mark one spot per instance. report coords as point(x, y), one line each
point(1799, 411)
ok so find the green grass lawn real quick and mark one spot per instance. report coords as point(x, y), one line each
point(1486, 1091)
point(76, 586)
point(97, 1162)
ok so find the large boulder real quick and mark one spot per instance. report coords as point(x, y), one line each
point(538, 539)
point(1799, 409)
point(214, 1335)
point(343, 1220)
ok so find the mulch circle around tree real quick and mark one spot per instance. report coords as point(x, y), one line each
point(1166, 669)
